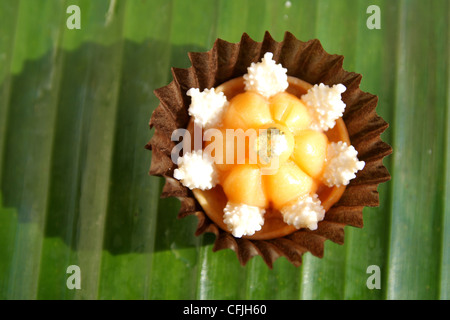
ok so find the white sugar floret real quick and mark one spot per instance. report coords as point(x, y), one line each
point(266, 77)
point(279, 144)
point(272, 147)
point(206, 106)
point(306, 212)
point(341, 165)
point(242, 219)
point(325, 104)
point(196, 171)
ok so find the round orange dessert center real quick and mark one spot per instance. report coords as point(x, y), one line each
point(283, 159)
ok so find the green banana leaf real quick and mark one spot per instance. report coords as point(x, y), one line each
point(75, 190)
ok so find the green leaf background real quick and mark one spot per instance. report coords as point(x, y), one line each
point(75, 189)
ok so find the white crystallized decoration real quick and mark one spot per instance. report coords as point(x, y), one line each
point(306, 212)
point(266, 77)
point(242, 219)
point(196, 171)
point(275, 147)
point(325, 105)
point(206, 106)
point(341, 164)
point(278, 144)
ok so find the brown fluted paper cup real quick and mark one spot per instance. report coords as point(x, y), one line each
point(306, 61)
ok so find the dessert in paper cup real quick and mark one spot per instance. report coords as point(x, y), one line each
point(272, 145)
